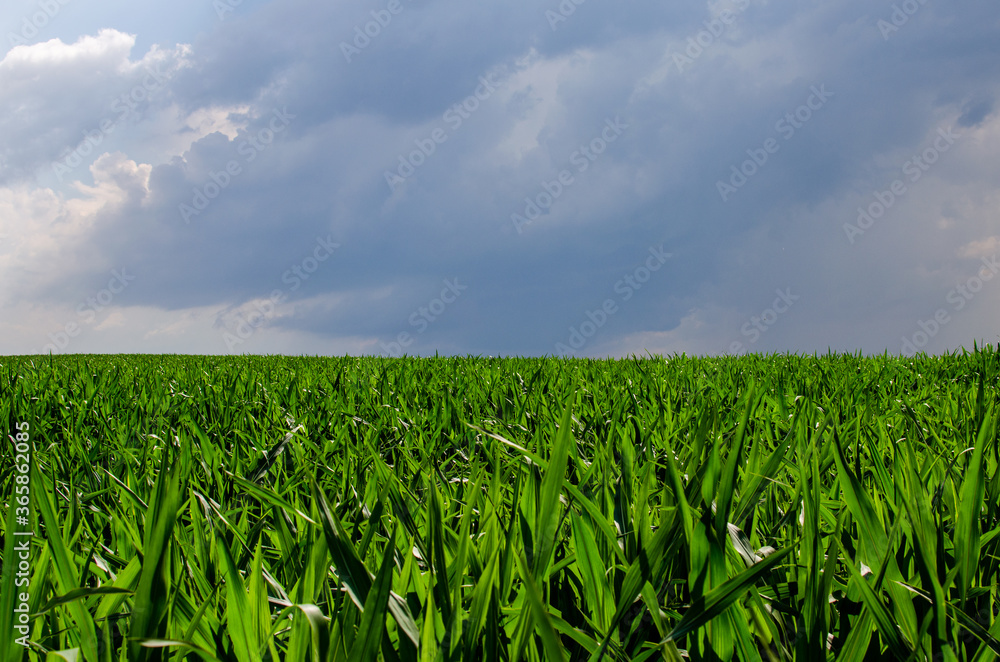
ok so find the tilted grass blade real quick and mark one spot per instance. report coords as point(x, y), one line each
point(149, 606)
point(66, 571)
point(239, 615)
point(724, 497)
point(968, 527)
point(883, 621)
point(718, 599)
point(369, 637)
point(554, 651)
point(549, 510)
point(12, 652)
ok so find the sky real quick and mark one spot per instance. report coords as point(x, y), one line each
point(569, 178)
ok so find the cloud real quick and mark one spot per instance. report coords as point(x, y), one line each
point(975, 111)
point(981, 248)
point(209, 141)
point(45, 233)
point(56, 94)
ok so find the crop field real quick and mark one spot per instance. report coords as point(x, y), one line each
point(778, 507)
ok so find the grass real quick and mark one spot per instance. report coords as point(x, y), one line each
point(266, 508)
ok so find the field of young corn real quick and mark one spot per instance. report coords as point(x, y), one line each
point(265, 508)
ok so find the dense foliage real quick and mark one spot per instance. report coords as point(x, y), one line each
point(269, 508)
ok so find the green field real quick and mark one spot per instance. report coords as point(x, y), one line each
point(268, 508)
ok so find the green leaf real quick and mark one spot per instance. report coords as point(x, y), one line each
point(757, 482)
point(543, 624)
point(549, 510)
point(724, 498)
point(369, 637)
point(149, 606)
point(967, 527)
point(268, 496)
point(8, 592)
point(318, 628)
point(239, 615)
point(883, 620)
point(79, 593)
point(718, 599)
point(350, 569)
point(874, 542)
point(66, 570)
point(593, 574)
point(171, 643)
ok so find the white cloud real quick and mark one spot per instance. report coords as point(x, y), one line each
point(108, 47)
point(981, 247)
point(115, 318)
point(536, 88)
point(43, 230)
point(56, 94)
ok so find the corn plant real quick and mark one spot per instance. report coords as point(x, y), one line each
point(775, 507)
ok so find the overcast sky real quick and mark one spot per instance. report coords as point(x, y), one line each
point(581, 178)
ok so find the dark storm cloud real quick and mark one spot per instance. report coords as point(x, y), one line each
point(824, 102)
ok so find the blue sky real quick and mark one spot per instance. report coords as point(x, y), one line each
point(577, 178)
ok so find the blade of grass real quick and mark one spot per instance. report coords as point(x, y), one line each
point(369, 637)
point(239, 615)
point(66, 571)
point(149, 606)
point(718, 599)
point(968, 528)
point(543, 624)
point(549, 510)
